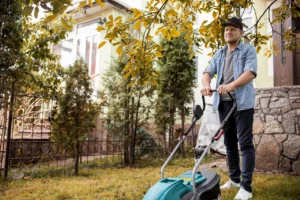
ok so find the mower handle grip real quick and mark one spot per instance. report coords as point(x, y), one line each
point(218, 135)
point(214, 90)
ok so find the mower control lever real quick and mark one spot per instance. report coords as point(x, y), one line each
point(219, 135)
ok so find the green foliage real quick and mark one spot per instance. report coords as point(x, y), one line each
point(38, 70)
point(33, 7)
point(26, 57)
point(53, 9)
point(177, 71)
point(147, 145)
point(179, 17)
point(76, 111)
point(11, 41)
point(10, 35)
point(128, 106)
point(115, 95)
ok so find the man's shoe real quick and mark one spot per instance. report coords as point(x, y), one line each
point(243, 195)
point(230, 184)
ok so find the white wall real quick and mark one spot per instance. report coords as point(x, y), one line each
point(203, 62)
point(132, 3)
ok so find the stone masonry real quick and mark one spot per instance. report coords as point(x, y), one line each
point(276, 129)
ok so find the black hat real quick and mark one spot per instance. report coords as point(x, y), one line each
point(234, 21)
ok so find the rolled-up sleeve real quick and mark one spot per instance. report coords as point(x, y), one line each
point(212, 68)
point(251, 61)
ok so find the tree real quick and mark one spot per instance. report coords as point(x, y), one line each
point(128, 106)
point(76, 112)
point(54, 9)
point(26, 57)
point(177, 70)
point(179, 17)
point(10, 41)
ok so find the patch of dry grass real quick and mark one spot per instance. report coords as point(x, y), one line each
point(103, 182)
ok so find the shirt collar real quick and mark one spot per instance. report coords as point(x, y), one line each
point(240, 46)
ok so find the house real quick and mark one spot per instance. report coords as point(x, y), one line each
point(83, 41)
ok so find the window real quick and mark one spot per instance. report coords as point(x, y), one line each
point(84, 43)
point(248, 22)
point(245, 11)
point(64, 49)
point(196, 60)
point(246, 16)
point(88, 50)
point(79, 49)
point(196, 68)
point(94, 54)
point(87, 44)
point(87, 27)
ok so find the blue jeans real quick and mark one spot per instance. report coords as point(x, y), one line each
point(238, 129)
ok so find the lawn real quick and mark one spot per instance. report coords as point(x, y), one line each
point(98, 181)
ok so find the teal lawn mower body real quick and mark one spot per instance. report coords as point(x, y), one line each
point(195, 184)
point(173, 188)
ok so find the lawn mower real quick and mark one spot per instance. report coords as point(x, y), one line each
point(195, 184)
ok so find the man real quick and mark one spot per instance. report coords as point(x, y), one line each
point(235, 65)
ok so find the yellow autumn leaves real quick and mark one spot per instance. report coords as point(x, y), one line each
point(136, 37)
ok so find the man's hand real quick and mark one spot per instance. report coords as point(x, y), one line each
point(206, 91)
point(224, 89)
point(245, 78)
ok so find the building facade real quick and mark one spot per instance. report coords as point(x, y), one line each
point(280, 69)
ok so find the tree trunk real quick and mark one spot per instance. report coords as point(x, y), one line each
point(4, 111)
point(77, 155)
point(171, 128)
point(131, 132)
point(135, 128)
point(182, 127)
point(127, 133)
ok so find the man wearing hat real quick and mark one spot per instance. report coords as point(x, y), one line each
point(235, 65)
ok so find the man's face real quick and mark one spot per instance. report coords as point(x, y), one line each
point(232, 34)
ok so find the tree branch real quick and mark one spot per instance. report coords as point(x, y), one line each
point(147, 30)
point(151, 13)
point(261, 15)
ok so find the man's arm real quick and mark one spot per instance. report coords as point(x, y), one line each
point(208, 74)
point(205, 91)
point(245, 78)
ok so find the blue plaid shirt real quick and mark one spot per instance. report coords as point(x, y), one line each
point(244, 59)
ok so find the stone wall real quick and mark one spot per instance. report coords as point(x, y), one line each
point(276, 129)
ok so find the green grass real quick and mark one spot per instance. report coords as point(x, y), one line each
point(98, 181)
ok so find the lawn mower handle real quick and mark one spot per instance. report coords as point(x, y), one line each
point(203, 99)
point(217, 135)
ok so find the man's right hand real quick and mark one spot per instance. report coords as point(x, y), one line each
point(206, 91)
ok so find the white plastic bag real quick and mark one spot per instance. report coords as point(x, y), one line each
point(209, 125)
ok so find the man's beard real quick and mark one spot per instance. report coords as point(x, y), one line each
point(233, 41)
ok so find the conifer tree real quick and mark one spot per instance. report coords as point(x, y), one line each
point(177, 71)
point(128, 106)
point(76, 112)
